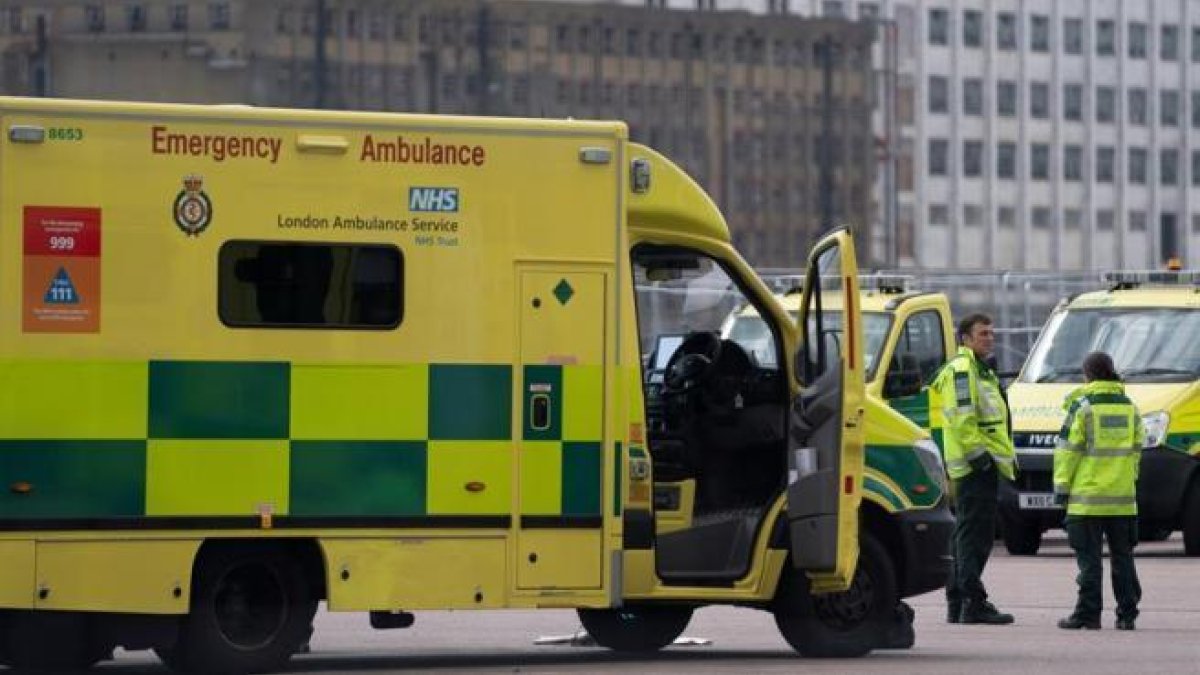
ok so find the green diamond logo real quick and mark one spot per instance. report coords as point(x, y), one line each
point(563, 292)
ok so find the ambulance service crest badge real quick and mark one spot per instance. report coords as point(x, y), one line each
point(193, 208)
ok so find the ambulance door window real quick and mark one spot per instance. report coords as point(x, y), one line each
point(918, 355)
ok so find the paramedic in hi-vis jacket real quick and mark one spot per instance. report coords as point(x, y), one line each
point(1095, 473)
point(979, 453)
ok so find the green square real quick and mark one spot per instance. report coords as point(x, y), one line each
point(581, 478)
point(211, 399)
point(74, 479)
point(358, 478)
point(470, 402)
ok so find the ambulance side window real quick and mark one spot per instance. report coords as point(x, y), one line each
point(288, 285)
point(920, 352)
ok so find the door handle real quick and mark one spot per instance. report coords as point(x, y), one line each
point(540, 412)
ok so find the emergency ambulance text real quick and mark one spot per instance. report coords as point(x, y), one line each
point(220, 148)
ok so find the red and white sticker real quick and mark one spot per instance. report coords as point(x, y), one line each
point(61, 286)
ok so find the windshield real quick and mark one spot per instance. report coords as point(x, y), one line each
point(1147, 344)
point(750, 331)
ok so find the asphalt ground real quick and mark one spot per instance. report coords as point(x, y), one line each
point(1038, 590)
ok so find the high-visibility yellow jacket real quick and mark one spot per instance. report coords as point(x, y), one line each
point(1098, 451)
point(976, 416)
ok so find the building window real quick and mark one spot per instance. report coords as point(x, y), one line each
point(1105, 219)
point(833, 9)
point(1073, 36)
point(179, 17)
point(1072, 219)
point(1006, 217)
point(1137, 221)
point(1137, 107)
point(1168, 43)
point(1006, 31)
point(94, 18)
point(1073, 163)
point(1073, 102)
point(868, 10)
point(972, 159)
point(1196, 223)
point(136, 15)
point(1106, 104)
point(972, 28)
point(1195, 44)
point(973, 96)
point(218, 15)
point(939, 94)
point(1137, 40)
point(972, 217)
point(1106, 161)
point(1168, 166)
point(1006, 160)
point(1168, 107)
point(939, 157)
point(1041, 217)
point(1106, 37)
point(939, 27)
point(1137, 166)
point(286, 285)
point(1006, 98)
point(1039, 33)
point(1039, 161)
point(939, 214)
point(1039, 100)
point(1196, 167)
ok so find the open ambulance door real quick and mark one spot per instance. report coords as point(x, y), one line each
point(825, 429)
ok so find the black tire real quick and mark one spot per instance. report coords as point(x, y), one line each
point(1020, 536)
point(840, 625)
point(44, 641)
point(1191, 520)
point(252, 608)
point(634, 628)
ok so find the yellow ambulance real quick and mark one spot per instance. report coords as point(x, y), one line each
point(1149, 322)
point(908, 335)
point(257, 359)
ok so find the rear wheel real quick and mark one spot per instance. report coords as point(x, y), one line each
point(1021, 536)
point(635, 628)
point(252, 608)
point(1191, 519)
point(846, 624)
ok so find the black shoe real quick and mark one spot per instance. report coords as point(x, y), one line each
point(982, 611)
point(1125, 624)
point(954, 612)
point(1075, 623)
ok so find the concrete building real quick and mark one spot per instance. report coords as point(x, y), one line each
point(770, 111)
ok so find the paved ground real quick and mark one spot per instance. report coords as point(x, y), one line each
point(1037, 590)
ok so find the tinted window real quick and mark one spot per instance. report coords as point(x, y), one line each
point(275, 284)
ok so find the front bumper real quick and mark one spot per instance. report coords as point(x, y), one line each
point(1163, 479)
point(925, 537)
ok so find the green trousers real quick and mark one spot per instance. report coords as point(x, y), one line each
point(974, 532)
point(1086, 535)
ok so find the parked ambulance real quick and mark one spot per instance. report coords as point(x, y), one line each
point(1149, 322)
point(256, 359)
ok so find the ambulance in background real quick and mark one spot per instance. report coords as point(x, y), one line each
point(1149, 322)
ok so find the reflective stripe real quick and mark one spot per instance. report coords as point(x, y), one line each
point(1004, 460)
point(1103, 500)
point(957, 464)
point(1069, 447)
point(1112, 452)
point(1062, 489)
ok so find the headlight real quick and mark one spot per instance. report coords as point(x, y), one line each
point(931, 460)
point(1156, 424)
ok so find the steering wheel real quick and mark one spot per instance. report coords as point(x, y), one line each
point(692, 364)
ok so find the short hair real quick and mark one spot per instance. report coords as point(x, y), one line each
point(1099, 366)
point(970, 321)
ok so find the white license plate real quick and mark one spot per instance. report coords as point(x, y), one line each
point(1036, 500)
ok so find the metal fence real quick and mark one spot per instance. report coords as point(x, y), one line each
point(1018, 302)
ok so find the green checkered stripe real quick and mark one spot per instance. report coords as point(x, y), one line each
point(191, 438)
point(561, 455)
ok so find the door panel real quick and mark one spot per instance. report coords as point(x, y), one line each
point(825, 436)
point(562, 412)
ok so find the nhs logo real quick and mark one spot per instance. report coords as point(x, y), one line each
point(439, 199)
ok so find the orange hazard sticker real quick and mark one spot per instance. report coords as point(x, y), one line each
point(61, 287)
